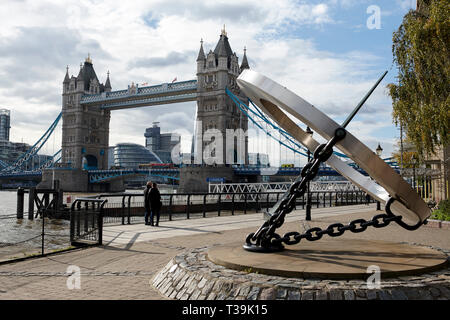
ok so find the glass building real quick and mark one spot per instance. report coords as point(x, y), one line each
point(131, 155)
point(161, 143)
point(5, 119)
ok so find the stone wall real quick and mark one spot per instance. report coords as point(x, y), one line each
point(70, 179)
point(190, 276)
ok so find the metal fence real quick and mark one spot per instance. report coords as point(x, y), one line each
point(128, 208)
point(22, 238)
point(86, 221)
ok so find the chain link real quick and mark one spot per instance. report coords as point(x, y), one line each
point(336, 229)
point(266, 238)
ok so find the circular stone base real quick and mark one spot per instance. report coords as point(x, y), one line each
point(332, 259)
point(190, 275)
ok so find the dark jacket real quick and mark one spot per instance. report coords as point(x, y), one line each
point(155, 198)
point(147, 199)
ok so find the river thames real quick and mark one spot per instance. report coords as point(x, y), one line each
point(8, 202)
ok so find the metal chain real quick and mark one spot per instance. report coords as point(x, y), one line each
point(265, 238)
point(266, 233)
point(336, 229)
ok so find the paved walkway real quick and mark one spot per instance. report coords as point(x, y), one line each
point(123, 268)
point(131, 234)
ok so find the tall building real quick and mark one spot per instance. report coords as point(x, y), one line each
point(5, 121)
point(161, 143)
point(217, 71)
point(11, 151)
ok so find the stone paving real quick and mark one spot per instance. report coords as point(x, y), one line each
point(191, 276)
point(125, 269)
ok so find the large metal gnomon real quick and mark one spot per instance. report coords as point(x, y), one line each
point(402, 204)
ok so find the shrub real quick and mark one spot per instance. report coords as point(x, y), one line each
point(443, 211)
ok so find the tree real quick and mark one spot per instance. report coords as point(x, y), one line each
point(409, 158)
point(421, 99)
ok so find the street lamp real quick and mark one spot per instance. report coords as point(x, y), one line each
point(308, 201)
point(379, 150)
point(414, 163)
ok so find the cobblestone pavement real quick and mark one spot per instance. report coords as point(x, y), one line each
point(126, 270)
point(191, 276)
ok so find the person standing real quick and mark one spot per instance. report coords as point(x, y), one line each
point(367, 199)
point(155, 204)
point(147, 202)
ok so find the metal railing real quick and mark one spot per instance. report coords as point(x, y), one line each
point(86, 221)
point(128, 208)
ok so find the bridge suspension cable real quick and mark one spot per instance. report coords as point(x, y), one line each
point(258, 118)
point(3, 165)
point(54, 159)
point(21, 162)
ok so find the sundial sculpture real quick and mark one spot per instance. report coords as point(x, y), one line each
point(402, 204)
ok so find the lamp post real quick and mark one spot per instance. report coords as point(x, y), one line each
point(308, 201)
point(379, 151)
point(414, 163)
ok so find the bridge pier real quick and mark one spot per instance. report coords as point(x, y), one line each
point(194, 178)
point(71, 180)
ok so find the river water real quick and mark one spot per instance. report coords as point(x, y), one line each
point(8, 202)
point(14, 232)
point(23, 237)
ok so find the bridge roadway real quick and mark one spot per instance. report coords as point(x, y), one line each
point(146, 96)
point(98, 176)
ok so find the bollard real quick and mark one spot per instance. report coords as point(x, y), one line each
point(308, 207)
point(378, 206)
point(20, 199)
point(55, 185)
point(31, 196)
point(308, 212)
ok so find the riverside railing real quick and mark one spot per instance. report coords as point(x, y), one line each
point(128, 208)
point(24, 238)
point(86, 221)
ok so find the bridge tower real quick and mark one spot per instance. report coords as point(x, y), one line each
point(216, 71)
point(85, 130)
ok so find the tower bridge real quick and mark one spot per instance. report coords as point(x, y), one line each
point(87, 106)
point(86, 113)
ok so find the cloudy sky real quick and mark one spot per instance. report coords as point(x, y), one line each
point(330, 52)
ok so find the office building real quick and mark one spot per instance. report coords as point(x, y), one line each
point(5, 120)
point(161, 143)
point(131, 155)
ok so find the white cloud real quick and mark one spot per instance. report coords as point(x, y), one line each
point(137, 40)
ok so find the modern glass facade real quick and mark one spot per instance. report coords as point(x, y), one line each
point(10, 151)
point(161, 143)
point(131, 155)
point(5, 119)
